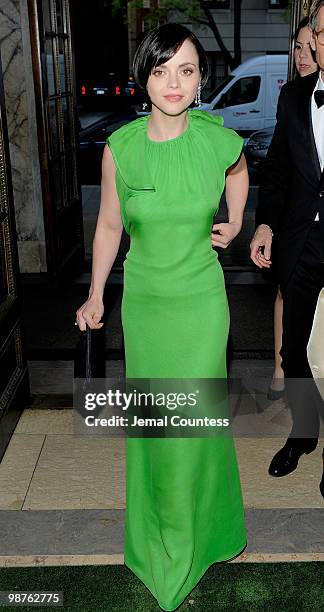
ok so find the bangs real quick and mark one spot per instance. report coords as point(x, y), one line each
point(159, 46)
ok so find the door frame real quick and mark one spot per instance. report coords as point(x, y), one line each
point(15, 391)
point(57, 267)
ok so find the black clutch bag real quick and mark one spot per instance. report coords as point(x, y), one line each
point(89, 360)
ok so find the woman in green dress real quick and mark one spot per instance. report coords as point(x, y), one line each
point(162, 179)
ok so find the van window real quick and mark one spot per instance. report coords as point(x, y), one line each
point(208, 99)
point(243, 91)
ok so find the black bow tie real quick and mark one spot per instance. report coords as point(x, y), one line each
point(319, 97)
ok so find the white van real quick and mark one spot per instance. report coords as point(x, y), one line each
point(248, 97)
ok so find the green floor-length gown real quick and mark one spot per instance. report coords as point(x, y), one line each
point(184, 508)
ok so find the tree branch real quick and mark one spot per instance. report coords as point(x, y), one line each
point(214, 28)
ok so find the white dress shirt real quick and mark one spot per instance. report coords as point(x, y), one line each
point(318, 125)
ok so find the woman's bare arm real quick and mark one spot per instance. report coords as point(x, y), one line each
point(106, 243)
point(236, 192)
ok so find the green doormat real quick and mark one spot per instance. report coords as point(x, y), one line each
point(226, 587)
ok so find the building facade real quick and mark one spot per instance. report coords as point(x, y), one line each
point(265, 28)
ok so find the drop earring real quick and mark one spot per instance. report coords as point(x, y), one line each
point(145, 101)
point(198, 96)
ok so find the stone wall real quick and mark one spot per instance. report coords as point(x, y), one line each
point(22, 127)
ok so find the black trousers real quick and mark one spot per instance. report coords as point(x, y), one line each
point(300, 296)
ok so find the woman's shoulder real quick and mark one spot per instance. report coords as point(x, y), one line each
point(222, 144)
point(212, 126)
point(207, 121)
point(205, 118)
point(127, 132)
point(127, 145)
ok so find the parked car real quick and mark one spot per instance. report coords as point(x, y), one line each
point(91, 144)
point(96, 92)
point(248, 97)
point(110, 93)
point(256, 149)
point(131, 88)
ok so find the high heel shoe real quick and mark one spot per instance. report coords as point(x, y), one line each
point(276, 389)
point(273, 394)
point(322, 481)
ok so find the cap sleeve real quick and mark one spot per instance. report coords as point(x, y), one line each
point(224, 145)
point(127, 145)
point(231, 149)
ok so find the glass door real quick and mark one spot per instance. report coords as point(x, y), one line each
point(54, 79)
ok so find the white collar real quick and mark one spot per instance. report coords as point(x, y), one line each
point(320, 82)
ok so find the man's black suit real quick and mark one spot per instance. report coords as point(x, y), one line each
point(291, 193)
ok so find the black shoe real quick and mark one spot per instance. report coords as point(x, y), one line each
point(273, 394)
point(322, 481)
point(286, 459)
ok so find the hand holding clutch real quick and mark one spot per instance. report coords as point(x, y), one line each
point(89, 361)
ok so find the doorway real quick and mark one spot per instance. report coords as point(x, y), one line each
point(14, 383)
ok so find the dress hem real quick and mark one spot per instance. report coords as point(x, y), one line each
point(230, 558)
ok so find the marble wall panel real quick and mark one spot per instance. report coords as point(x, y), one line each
point(22, 128)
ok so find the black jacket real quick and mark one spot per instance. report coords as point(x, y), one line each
point(291, 188)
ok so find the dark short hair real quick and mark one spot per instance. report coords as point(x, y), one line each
point(302, 24)
point(159, 45)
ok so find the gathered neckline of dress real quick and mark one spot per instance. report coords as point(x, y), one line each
point(169, 140)
point(133, 137)
point(193, 113)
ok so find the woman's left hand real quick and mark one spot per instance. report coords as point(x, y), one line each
point(226, 232)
